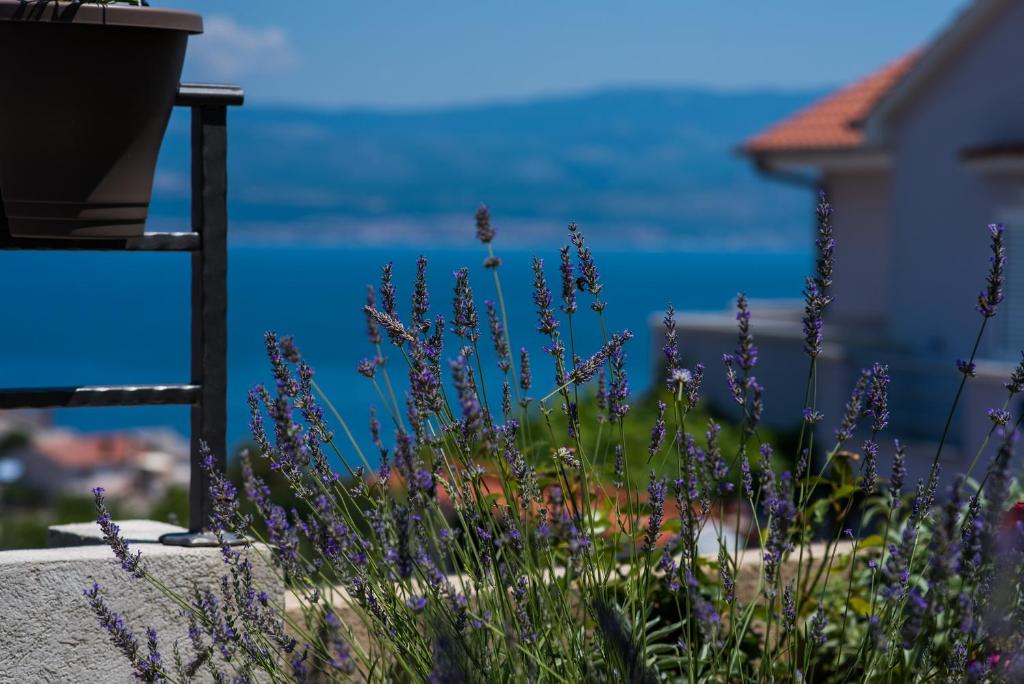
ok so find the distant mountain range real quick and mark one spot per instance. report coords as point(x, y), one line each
point(649, 168)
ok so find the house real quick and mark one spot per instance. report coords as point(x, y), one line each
point(917, 158)
point(136, 466)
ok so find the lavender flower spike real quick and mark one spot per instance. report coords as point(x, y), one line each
point(589, 279)
point(525, 375)
point(387, 290)
point(586, 369)
point(465, 322)
point(484, 229)
point(372, 331)
point(546, 323)
point(877, 399)
point(656, 490)
point(992, 296)
point(497, 330)
point(130, 562)
point(1015, 384)
point(746, 351)
point(420, 298)
point(816, 297)
point(568, 283)
point(658, 431)
point(671, 348)
point(399, 334)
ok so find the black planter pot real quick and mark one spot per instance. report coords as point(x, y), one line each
point(85, 94)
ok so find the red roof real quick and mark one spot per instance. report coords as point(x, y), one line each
point(833, 122)
point(70, 450)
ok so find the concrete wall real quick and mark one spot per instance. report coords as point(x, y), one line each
point(48, 632)
point(940, 206)
point(782, 365)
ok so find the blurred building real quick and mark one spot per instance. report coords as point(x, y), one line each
point(136, 466)
point(918, 158)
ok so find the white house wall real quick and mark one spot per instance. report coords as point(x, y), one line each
point(861, 223)
point(940, 207)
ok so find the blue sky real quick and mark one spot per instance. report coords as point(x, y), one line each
point(411, 53)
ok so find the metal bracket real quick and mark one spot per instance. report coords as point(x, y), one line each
point(201, 539)
point(207, 243)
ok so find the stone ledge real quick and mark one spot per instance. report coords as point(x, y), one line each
point(135, 531)
point(48, 632)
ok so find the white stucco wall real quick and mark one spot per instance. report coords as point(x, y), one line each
point(940, 207)
point(48, 632)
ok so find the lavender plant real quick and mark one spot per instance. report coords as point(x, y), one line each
point(507, 538)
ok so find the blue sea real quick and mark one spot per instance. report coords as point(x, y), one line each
point(74, 318)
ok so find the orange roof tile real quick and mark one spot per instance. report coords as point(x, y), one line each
point(832, 122)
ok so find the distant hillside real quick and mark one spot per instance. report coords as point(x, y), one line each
point(635, 167)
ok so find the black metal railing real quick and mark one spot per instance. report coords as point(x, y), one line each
point(207, 243)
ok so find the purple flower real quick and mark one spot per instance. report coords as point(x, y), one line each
point(396, 331)
point(737, 385)
point(992, 296)
point(525, 376)
point(387, 291)
point(679, 379)
point(546, 323)
point(568, 283)
point(286, 383)
point(589, 279)
point(256, 490)
point(367, 368)
point(669, 569)
point(619, 469)
point(816, 297)
point(519, 594)
point(717, 467)
point(585, 371)
point(130, 562)
point(618, 391)
point(501, 349)
point(1016, 381)
point(671, 348)
point(465, 322)
point(811, 416)
point(484, 229)
point(372, 331)
point(817, 629)
point(656, 491)
point(781, 515)
point(658, 431)
point(728, 583)
point(420, 297)
point(853, 407)
point(966, 367)
point(1000, 417)
point(876, 400)
point(745, 476)
point(416, 603)
point(899, 473)
point(788, 608)
point(472, 413)
point(869, 469)
point(916, 607)
point(746, 352)
point(825, 243)
point(148, 668)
